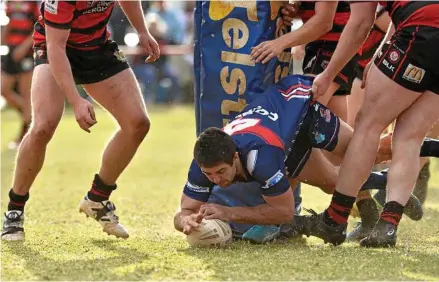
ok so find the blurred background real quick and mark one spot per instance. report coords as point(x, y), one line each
point(169, 79)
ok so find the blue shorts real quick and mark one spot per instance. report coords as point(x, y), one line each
point(319, 130)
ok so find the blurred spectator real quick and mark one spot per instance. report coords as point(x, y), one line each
point(159, 80)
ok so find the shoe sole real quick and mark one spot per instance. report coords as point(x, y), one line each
point(108, 233)
point(18, 236)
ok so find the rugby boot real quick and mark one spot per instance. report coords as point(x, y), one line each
point(383, 235)
point(13, 226)
point(421, 186)
point(359, 232)
point(369, 215)
point(413, 209)
point(103, 212)
point(314, 225)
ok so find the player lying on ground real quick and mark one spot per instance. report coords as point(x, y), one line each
point(269, 142)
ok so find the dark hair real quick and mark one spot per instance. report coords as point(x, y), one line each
point(214, 147)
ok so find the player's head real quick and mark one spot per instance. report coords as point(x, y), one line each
point(215, 153)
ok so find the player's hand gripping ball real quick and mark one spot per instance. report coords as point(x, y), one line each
point(211, 232)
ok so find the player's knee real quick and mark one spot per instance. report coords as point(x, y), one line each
point(368, 121)
point(139, 126)
point(42, 132)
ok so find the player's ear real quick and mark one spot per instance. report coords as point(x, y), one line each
point(236, 157)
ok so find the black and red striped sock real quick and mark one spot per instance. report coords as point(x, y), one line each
point(99, 190)
point(339, 209)
point(392, 212)
point(17, 202)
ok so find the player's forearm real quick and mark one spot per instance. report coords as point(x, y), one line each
point(312, 30)
point(61, 70)
point(262, 214)
point(180, 217)
point(133, 11)
point(27, 44)
point(351, 39)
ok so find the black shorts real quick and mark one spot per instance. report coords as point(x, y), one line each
point(359, 72)
point(90, 66)
point(11, 67)
point(319, 130)
point(317, 56)
point(411, 58)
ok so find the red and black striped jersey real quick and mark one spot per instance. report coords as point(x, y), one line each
point(22, 17)
point(87, 21)
point(413, 13)
point(307, 10)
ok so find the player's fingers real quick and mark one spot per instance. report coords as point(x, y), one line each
point(92, 113)
point(263, 54)
point(193, 223)
point(287, 19)
point(187, 229)
point(287, 23)
point(268, 58)
point(255, 51)
point(289, 9)
point(199, 217)
point(156, 49)
point(83, 125)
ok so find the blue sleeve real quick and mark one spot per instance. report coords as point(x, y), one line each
point(267, 167)
point(198, 186)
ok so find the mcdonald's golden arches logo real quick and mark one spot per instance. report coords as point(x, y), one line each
point(413, 74)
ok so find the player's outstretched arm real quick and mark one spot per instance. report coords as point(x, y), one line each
point(277, 210)
point(187, 218)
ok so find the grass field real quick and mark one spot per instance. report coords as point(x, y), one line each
point(61, 244)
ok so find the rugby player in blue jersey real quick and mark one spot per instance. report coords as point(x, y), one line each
point(270, 142)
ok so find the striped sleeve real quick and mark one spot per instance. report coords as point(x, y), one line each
point(59, 14)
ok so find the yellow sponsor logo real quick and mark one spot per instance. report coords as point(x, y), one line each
point(413, 74)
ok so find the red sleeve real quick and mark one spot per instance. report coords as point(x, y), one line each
point(59, 14)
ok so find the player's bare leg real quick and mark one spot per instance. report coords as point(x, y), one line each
point(31, 153)
point(24, 85)
point(120, 95)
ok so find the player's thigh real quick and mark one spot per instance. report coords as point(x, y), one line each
point(47, 99)
point(384, 101)
point(120, 95)
point(339, 106)
point(320, 172)
point(415, 122)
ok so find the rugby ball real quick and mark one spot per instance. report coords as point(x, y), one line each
point(211, 232)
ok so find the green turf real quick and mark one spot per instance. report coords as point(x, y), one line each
point(61, 244)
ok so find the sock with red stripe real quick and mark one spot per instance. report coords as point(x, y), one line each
point(392, 212)
point(99, 190)
point(339, 209)
point(17, 202)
